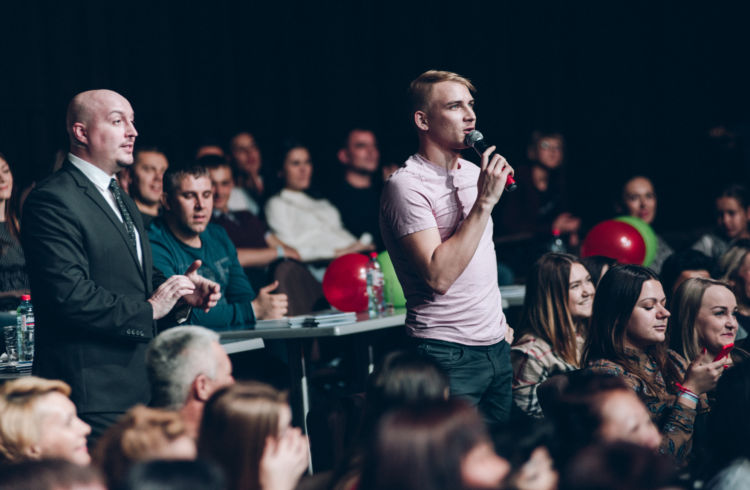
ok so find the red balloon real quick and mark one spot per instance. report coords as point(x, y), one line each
point(617, 240)
point(345, 283)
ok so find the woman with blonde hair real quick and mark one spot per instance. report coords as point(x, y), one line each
point(142, 434)
point(557, 307)
point(703, 318)
point(246, 431)
point(734, 267)
point(38, 421)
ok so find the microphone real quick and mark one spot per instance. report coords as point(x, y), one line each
point(475, 139)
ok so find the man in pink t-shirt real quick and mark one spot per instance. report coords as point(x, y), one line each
point(436, 225)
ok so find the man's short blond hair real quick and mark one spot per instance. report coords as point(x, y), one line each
point(19, 422)
point(421, 88)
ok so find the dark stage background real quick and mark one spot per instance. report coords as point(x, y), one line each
point(634, 87)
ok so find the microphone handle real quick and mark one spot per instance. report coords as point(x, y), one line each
point(480, 147)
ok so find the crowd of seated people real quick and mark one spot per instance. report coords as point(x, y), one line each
point(615, 361)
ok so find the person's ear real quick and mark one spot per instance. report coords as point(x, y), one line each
point(420, 119)
point(33, 451)
point(202, 387)
point(80, 134)
point(343, 156)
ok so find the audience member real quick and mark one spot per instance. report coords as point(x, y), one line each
point(174, 475)
point(402, 379)
point(728, 431)
point(248, 194)
point(312, 226)
point(185, 366)
point(439, 445)
point(246, 430)
point(184, 235)
point(704, 318)
point(50, 474)
point(732, 213)
point(638, 199)
point(628, 338)
point(435, 220)
point(553, 324)
point(620, 466)
point(734, 267)
point(256, 246)
point(597, 265)
point(540, 205)
point(38, 421)
point(142, 434)
point(147, 176)
point(13, 279)
point(594, 408)
point(89, 263)
point(357, 194)
point(683, 265)
point(210, 147)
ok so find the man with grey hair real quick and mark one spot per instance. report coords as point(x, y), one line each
point(185, 366)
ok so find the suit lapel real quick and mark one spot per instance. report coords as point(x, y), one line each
point(93, 193)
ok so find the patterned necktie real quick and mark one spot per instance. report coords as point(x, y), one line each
point(126, 218)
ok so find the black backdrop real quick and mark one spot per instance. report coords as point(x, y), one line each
point(634, 86)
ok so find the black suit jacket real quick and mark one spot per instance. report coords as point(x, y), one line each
point(89, 293)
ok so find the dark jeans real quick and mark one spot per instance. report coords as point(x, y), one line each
point(481, 375)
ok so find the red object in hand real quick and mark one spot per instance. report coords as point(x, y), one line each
point(345, 283)
point(724, 351)
point(617, 240)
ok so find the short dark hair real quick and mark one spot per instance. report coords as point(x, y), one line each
point(46, 474)
point(174, 475)
point(173, 176)
point(684, 260)
point(737, 192)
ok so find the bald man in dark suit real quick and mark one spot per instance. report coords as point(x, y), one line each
point(95, 292)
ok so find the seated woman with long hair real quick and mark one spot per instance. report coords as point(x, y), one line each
point(628, 338)
point(734, 266)
point(704, 319)
point(13, 279)
point(246, 431)
point(435, 446)
point(557, 307)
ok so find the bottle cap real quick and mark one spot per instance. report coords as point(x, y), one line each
point(555, 232)
point(373, 255)
point(25, 297)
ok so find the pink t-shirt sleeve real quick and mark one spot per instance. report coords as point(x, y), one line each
point(406, 209)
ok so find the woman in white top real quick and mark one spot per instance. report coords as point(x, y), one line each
point(311, 225)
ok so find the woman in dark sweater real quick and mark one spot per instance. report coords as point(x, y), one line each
point(13, 279)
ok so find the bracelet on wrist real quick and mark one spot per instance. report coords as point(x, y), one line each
point(689, 394)
point(280, 252)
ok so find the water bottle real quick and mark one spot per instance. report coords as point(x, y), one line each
point(25, 330)
point(375, 299)
point(557, 244)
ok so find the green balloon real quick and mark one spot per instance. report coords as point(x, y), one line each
point(392, 290)
point(649, 237)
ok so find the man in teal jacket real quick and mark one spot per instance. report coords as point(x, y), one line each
point(183, 234)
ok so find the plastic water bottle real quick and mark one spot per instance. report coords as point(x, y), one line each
point(557, 244)
point(25, 330)
point(375, 298)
